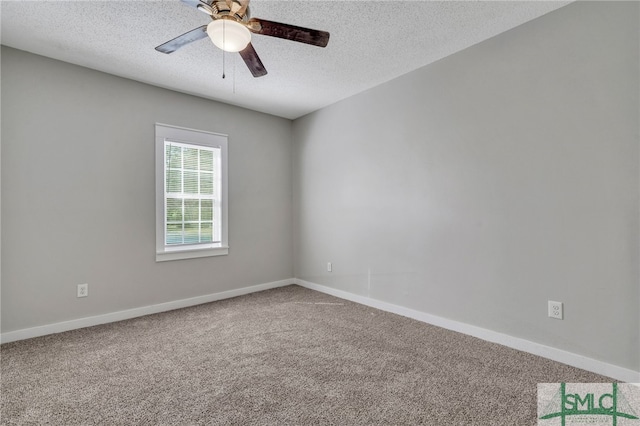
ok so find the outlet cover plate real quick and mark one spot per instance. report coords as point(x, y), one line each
point(556, 310)
point(83, 290)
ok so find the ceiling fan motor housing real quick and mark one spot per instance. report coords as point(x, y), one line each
point(232, 9)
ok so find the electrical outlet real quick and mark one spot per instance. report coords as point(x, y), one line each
point(329, 267)
point(555, 310)
point(83, 290)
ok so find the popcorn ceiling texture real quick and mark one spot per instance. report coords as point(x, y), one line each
point(288, 356)
point(371, 42)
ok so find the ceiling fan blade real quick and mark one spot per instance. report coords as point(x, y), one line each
point(182, 40)
point(253, 61)
point(196, 3)
point(289, 32)
point(201, 5)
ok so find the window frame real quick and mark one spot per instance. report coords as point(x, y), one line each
point(194, 137)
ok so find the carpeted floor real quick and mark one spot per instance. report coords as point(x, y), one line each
point(288, 356)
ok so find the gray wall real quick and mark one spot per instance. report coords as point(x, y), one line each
point(78, 194)
point(483, 185)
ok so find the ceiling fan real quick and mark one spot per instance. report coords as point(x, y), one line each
point(231, 28)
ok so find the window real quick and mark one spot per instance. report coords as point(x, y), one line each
point(191, 193)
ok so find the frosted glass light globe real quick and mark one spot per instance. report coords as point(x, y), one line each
point(228, 35)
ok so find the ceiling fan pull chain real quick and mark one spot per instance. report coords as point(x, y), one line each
point(223, 44)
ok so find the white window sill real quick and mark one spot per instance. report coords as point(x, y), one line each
point(193, 253)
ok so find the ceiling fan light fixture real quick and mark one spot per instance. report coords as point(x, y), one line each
point(229, 35)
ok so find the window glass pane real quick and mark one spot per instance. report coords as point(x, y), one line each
point(174, 210)
point(191, 158)
point(191, 210)
point(206, 161)
point(174, 233)
point(173, 155)
point(207, 210)
point(190, 182)
point(206, 183)
point(191, 233)
point(206, 232)
point(174, 181)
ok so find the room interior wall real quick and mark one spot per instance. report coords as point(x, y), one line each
point(484, 185)
point(78, 194)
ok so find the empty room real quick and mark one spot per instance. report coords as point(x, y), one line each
point(223, 212)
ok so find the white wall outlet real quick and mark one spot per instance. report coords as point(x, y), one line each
point(83, 290)
point(555, 310)
point(329, 267)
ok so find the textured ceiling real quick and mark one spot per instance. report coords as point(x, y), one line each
point(371, 42)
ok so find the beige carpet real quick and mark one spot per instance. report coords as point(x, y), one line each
point(288, 356)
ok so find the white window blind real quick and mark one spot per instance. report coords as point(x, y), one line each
point(191, 194)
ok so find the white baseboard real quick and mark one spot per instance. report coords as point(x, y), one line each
point(569, 358)
point(59, 327)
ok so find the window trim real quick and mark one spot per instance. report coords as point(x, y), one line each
point(192, 137)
